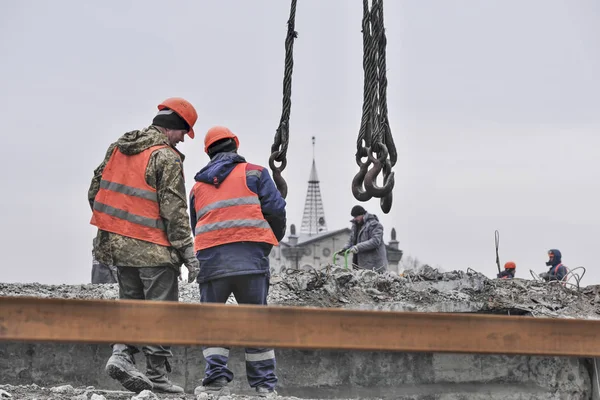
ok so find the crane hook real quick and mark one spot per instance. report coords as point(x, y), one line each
point(357, 183)
point(277, 178)
point(371, 176)
point(386, 201)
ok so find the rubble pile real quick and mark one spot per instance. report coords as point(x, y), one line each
point(427, 290)
point(431, 291)
point(68, 392)
point(334, 374)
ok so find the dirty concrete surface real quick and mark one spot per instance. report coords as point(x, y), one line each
point(68, 392)
point(331, 374)
point(426, 291)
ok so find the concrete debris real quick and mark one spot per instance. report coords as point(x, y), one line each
point(324, 374)
point(65, 389)
point(34, 392)
point(427, 290)
point(145, 395)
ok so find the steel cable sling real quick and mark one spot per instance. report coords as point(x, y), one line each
point(375, 140)
point(282, 134)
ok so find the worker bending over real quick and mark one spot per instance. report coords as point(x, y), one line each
point(138, 199)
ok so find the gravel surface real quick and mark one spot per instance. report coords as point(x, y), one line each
point(67, 392)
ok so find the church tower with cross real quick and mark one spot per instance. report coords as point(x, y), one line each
point(313, 218)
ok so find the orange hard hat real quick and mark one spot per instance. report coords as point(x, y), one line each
point(510, 265)
point(217, 133)
point(184, 109)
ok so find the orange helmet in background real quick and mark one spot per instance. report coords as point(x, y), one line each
point(184, 109)
point(217, 133)
point(510, 265)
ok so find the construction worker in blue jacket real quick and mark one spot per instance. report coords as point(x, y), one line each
point(557, 271)
point(237, 216)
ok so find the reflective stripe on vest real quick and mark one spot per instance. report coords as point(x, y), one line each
point(126, 204)
point(229, 213)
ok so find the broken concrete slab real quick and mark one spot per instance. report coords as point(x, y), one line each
point(335, 374)
point(454, 291)
point(331, 374)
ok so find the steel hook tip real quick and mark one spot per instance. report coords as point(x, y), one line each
point(386, 203)
point(280, 183)
point(371, 178)
point(357, 184)
point(277, 178)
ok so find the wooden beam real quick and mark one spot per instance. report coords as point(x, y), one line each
point(138, 322)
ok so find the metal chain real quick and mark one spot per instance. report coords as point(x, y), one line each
point(281, 140)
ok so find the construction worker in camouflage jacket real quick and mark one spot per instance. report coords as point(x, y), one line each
point(139, 204)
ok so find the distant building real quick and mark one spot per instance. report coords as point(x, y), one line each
point(314, 246)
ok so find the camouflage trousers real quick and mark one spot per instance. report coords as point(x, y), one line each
point(147, 283)
point(102, 273)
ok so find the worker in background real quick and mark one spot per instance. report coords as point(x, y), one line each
point(557, 270)
point(139, 205)
point(366, 241)
point(510, 268)
point(102, 273)
point(238, 215)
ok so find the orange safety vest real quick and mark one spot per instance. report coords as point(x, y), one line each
point(229, 213)
point(125, 203)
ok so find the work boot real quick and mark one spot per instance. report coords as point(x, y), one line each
point(218, 387)
point(120, 366)
point(156, 370)
point(262, 391)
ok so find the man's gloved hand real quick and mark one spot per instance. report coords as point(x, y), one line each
point(191, 262)
point(353, 250)
point(544, 275)
point(193, 267)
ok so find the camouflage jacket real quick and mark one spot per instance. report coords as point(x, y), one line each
point(165, 174)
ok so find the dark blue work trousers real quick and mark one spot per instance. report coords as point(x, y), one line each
point(260, 363)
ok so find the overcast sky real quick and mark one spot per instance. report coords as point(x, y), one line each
point(494, 107)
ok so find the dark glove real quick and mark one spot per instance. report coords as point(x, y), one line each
point(191, 263)
point(193, 267)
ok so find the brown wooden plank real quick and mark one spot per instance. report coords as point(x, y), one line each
point(107, 321)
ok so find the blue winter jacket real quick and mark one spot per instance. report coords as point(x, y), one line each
point(557, 271)
point(240, 258)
